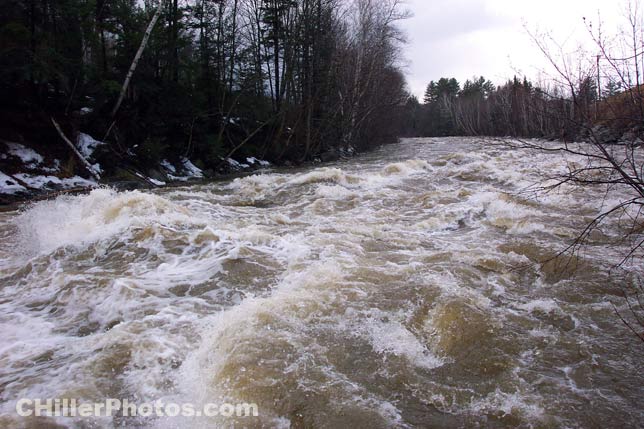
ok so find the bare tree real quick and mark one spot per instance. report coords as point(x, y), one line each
point(611, 129)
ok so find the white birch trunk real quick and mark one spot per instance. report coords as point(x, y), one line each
point(137, 57)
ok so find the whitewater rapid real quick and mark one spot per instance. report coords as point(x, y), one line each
point(402, 288)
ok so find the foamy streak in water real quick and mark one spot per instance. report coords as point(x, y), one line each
point(375, 292)
point(99, 216)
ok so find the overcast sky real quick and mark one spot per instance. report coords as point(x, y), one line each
point(463, 38)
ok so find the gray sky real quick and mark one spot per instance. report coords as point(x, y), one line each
point(463, 38)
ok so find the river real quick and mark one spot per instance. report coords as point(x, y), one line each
point(401, 288)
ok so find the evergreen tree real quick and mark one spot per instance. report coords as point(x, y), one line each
point(284, 79)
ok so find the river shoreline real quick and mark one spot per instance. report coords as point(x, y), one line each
point(12, 202)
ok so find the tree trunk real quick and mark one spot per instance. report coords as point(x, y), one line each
point(135, 62)
point(85, 163)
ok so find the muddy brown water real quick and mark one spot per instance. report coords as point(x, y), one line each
point(378, 292)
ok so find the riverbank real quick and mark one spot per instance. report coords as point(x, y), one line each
point(32, 173)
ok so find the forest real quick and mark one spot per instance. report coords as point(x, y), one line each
point(518, 108)
point(593, 94)
point(286, 81)
point(282, 80)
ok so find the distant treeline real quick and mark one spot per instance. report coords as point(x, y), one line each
point(278, 79)
point(517, 108)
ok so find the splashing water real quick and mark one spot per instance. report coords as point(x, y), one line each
point(378, 292)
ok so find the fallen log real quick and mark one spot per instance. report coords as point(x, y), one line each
point(71, 145)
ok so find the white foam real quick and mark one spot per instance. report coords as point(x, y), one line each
point(407, 167)
point(334, 192)
point(166, 279)
point(504, 403)
point(326, 174)
point(226, 329)
point(84, 219)
point(546, 305)
point(393, 338)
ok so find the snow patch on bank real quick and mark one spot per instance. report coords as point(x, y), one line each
point(168, 166)
point(252, 161)
point(156, 182)
point(87, 145)
point(9, 186)
point(55, 168)
point(28, 156)
point(150, 180)
point(236, 164)
point(191, 169)
point(53, 182)
point(39, 175)
point(187, 171)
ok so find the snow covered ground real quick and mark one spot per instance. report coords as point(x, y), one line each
point(87, 145)
point(9, 186)
point(14, 185)
point(29, 157)
point(261, 162)
point(187, 170)
point(53, 182)
point(236, 165)
point(40, 175)
point(251, 162)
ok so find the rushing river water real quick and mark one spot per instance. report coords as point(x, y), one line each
point(399, 289)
